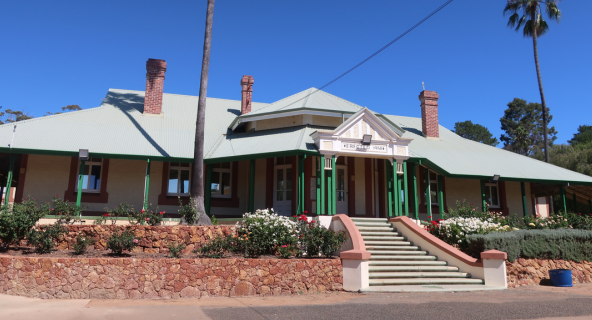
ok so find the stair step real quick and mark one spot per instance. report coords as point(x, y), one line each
point(376, 229)
point(396, 252)
point(380, 235)
point(398, 275)
point(403, 257)
point(407, 263)
point(373, 224)
point(381, 247)
point(412, 268)
point(370, 219)
point(423, 281)
point(387, 243)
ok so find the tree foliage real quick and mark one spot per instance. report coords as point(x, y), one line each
point(475, 132)
point(577, 157)
point(584, 136)
point(10, 116)
point(526, 12)
point(523, 126)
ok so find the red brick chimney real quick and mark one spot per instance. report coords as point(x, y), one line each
point(155, 70)
point(429, 114)
point(247, 84)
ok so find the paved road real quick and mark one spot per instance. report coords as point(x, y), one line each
point(524, 303)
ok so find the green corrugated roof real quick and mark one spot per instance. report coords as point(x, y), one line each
point(119, 129)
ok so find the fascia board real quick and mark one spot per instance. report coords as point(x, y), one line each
point(293, 112)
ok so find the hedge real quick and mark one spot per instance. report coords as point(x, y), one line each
point(566, 244)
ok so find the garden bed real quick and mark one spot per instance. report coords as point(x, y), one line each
point(148, 278)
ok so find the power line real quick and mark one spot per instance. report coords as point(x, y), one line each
point(377, 52)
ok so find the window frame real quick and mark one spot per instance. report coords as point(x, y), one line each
point(221, 171)
point(499, 200)
point(90, 165)
point(178, 168)
point(435, 181)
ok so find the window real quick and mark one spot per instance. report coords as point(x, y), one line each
point(91, 175)
point(221, 173)
point(179, 173)
point(283, 160)
point(492, 195)
point(434, 189)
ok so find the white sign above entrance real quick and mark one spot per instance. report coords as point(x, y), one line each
point(361, 147)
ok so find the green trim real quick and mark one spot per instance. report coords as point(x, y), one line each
point(318, 184)
point(147, 184)
point(406, 183)
point(9, 180)
point(523, 189)
point(389, 188)
point(329, 194)
point(208, 191)
point(322, 170)
point(252, 187)
point(399, 192)
point(562, 192)
point(396, 192)
point(333, 191)
point(80, 175)
point(415, 193)
point(440, 195)
point(483, 197)
point(428, 194)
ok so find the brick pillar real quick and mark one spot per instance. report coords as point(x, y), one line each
point(155, 70)
point(429, 114)
point(247, 84)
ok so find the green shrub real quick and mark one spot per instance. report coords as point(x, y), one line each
point(260, 233)
point(43, 239)
point(214, 221)
point(215, 248)
point(145, 216)
point(122, 210)
point(287, 251)
point(315, 239)
point(564, 244)
point(18, 220)
point(175, 249)
point(67, 212)
point(118, 242)
point(464, 210)
point(82, 243)
point(187, 211)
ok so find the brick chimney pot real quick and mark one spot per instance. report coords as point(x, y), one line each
point(247, 93)
point(429, 114)
point(155, 70)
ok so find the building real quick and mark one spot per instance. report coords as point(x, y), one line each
point(311, 151)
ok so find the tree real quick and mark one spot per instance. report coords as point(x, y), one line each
point(10, 116)
point(475, 132)
point(70, 107)
point(524, 127)
point(584, 136)
point(534, 26)
point(197, 183)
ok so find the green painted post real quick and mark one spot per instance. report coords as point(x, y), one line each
point(396, 192)
point(322, 199)
point(208, 190)
point(389, 187)
point(415, 193)
point(399, 197)
point(9, 180)
point(329, 194)
point(302, 184)
point(299, 187)
point(406, 183)
point(80, 175)
point(440, 195)
point(564, 203)
point(252, 187)
point(483, 197)
point(318, 185)
point(147, 184)
point(428, 195)
point(575, 202)
point(523, 189)
point(333, 191)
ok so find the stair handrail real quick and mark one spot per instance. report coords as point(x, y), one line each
point(358, 251)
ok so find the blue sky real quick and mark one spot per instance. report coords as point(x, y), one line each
point(57, 53)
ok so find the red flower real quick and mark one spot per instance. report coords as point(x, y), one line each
point(305, 212)
point(162, 212)
point(106, 215)
point(142, 211)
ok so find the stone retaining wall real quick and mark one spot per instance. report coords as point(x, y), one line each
point(151, 239)
point(524, 272)
point(126, 278)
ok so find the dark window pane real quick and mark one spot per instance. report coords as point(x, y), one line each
point(225, 165)
point(173, 181)
point(174, 164)
point(494, 199)
point(280, 180)
point(216, 183)
point(226, 183)
point(279, 196)
point(95, 178)
point(340, 196)
point(184, 164)
point(434, 192)
point(279, 161)
point(289, 179)
point(184, 181)
point(289, 160)
point(340, 160)
point(215, 165)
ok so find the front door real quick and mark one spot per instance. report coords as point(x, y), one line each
point(282, 200)
point(341, 189)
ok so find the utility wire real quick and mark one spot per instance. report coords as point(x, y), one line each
point(377, 52)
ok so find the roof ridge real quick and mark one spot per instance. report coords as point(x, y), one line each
point(271, 104)
point(332, 95)
point(185, 95)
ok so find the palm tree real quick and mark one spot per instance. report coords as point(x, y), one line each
point(197, 182)
point(528, 13)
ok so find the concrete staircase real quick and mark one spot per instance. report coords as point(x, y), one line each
point(397, 262)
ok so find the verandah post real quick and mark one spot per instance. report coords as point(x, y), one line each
point(389, 188)
point(523, 189)
point(80, 175)
point(333, 191)
point(440, 196)
point(302, 183)
point(399, 192)
point(415, 193)
point(252, 187)
point(147, 184)
point(208, 190)
point(428, 194)
point(563, 202)
point(483, 197)
point(395, 189)
point(318, 184)
point(322, 170)
point(406, 183)
point(9, 180)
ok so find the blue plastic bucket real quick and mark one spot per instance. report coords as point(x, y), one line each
point(561, 277)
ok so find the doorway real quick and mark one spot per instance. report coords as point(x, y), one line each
point(282, 190)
